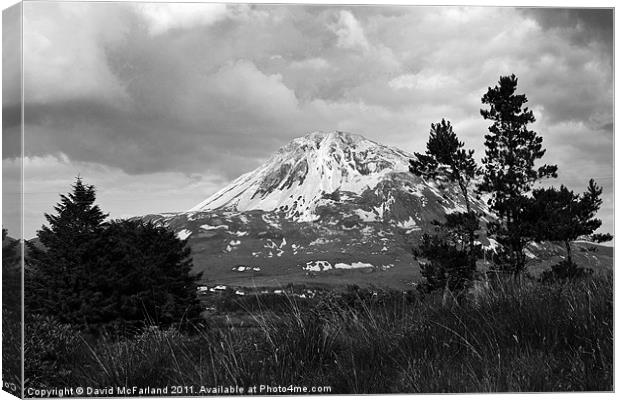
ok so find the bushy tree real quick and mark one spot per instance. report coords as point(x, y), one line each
point(446, 265)
point(601, 237)
point(560, 215)
point(10, 252)
point(118, 274)
point(144, 275)
point(452, 252)
point(512, 151)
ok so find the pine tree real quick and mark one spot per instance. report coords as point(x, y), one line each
point(446, 157)
point(509, 167)
point(561, 215)
point(58, 269)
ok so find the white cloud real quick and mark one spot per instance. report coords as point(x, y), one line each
point(350, 32)
point(163, 17)
point(60, 64)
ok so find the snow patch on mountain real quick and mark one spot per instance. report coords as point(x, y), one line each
point(354, 265)
point(317, 266)
point(407, 224)
point(320, 266)
point(207, 227)
point(366, 216)
point(183, 234)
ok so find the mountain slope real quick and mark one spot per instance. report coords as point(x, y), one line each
point(295, 179)
point(322, 168)
point(326, 209)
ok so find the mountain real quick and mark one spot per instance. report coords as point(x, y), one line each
point(329, 208)
point(343, 172)
point(297, 177)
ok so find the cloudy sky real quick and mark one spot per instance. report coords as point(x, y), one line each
point(160, 105)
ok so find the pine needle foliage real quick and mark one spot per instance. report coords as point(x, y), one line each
point(510, 172)
point(451, 252)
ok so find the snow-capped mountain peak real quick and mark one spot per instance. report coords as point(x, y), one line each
point(299, 174)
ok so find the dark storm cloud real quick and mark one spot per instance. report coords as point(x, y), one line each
point(137, 142)
point(585, 25)
point(11, 132)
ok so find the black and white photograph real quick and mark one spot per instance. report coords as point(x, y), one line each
point(215, 199)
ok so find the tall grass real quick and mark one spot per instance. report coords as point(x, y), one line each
point(516, 336)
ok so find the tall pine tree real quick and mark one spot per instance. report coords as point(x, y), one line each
point(57, 271)
point(512, 151)
point(453, 253)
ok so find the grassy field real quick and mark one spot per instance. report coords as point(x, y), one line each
point(515, 336)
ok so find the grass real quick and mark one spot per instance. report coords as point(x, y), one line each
point(516, 336)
